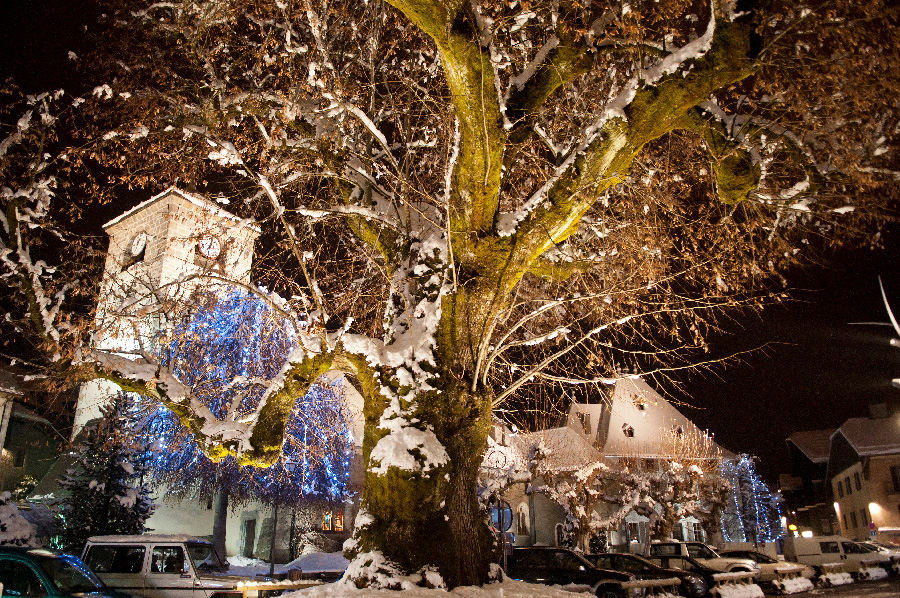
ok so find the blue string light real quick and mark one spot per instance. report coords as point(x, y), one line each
point(757, 509)
point(227, 353)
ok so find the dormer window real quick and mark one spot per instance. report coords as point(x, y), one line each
point(628, 431)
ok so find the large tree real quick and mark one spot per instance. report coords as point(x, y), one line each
point(468, 205)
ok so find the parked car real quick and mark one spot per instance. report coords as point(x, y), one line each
point(563, 567)
point(767, 564)
point(704, 553)
point(50, 574)
point(818, 550)
point(688, 564)
point(173, 566)
point(886, 549)
point(692, 585)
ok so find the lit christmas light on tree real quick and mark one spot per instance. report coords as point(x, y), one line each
point(228, 352)
point(757, 511)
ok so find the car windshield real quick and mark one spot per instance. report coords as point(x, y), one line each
point(866, 548)
point(204, 557)
point(68, 573)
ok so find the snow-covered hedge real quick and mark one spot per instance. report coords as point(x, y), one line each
point(15, 530)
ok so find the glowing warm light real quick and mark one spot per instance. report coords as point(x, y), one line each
point(874, 507)
point(792, 527)
point(837, 508)
point(806, 534)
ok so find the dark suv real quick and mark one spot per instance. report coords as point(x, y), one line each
point(692, 584)
point(564, 567)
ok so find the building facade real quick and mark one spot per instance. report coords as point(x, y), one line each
point(864, 476)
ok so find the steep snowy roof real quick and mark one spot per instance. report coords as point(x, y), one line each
point(815, 444)
point(568, 448)
point(648, 418)
point(870, 437)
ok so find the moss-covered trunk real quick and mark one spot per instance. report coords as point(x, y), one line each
point(432, 519)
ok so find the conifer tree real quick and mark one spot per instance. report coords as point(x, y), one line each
point(105, 492)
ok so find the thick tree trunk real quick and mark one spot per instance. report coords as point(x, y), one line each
point(432, 520)
point(220, 520)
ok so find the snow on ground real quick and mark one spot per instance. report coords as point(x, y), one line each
point(241, 565)
point(319, 562)
point(314, 562)
point(508, 589)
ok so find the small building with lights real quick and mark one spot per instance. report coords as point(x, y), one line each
point(634, 423)
point(864, 476)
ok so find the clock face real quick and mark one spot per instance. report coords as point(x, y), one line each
point(209, 247)
point(138, 244)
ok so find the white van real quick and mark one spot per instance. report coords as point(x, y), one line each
point(819, 550)
point(172, 566)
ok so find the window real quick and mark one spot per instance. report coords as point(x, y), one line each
point(585, 420)
point(856, 481)
point(634, 532)
point(840, 489)
point(847, 485)
point(339, 521)
point(663, 550)
point(628, 431)
point(604, 562)
point(845, 522)
point(567, 561)
point(19, 457)
point(560, 535)
point(853, 519)
point(115, 559)
point(830, 547)
point(19, 579)
point(697, 531)
point(895, 477)
point(864, 516)
point(327, 521)
point(522, 519)
point(167, 559)
point(699, 551)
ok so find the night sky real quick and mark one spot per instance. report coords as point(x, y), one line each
point(817, 371)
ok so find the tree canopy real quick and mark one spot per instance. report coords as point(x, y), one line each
point(468, 206)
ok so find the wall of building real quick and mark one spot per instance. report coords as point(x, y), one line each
point(872, 497)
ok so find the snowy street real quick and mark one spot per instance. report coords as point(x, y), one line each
point(885, 588)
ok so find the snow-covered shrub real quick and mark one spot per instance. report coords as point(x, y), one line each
point(15, 530)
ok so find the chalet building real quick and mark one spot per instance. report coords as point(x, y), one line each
point(633, 423)
point(864, 476)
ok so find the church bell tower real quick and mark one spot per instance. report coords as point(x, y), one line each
point(160, 252)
